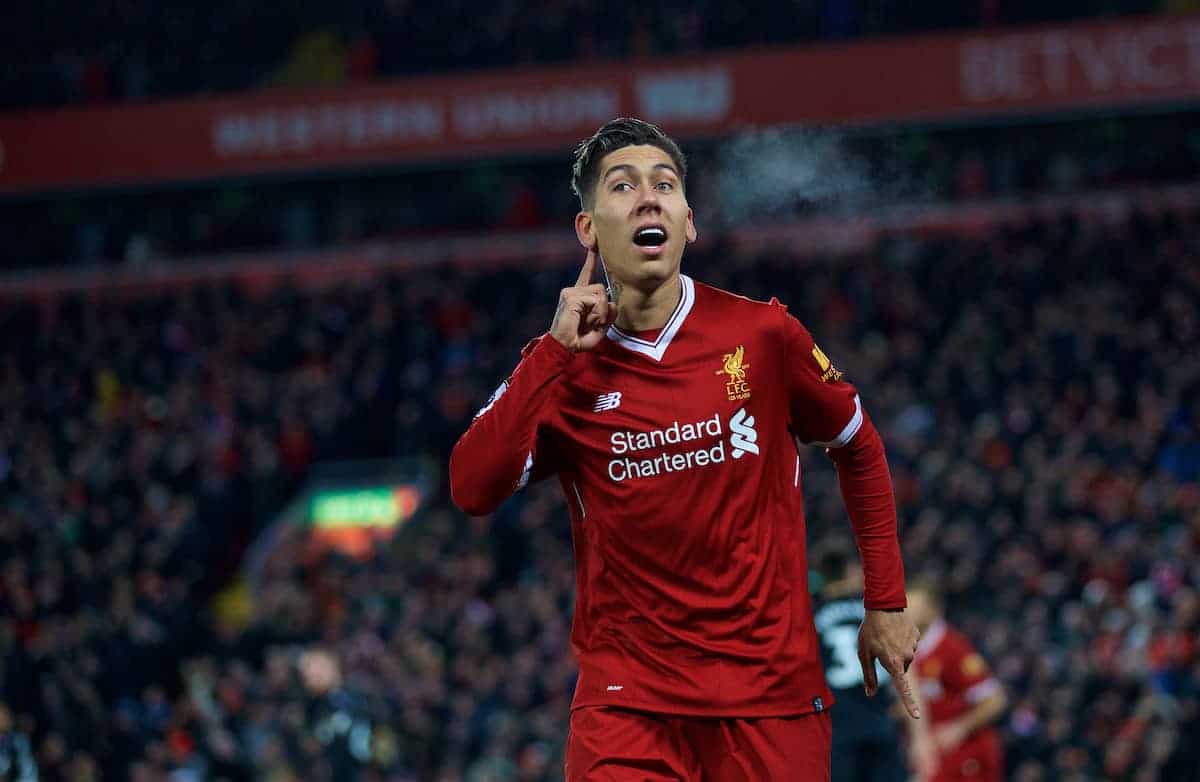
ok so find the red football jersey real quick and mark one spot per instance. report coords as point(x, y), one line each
point(953, 678)
point(679, 462)
point(953, 675)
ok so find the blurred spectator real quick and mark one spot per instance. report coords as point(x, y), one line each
point(317, 59)
point(16, 751)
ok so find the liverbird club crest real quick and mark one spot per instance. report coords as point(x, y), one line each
point(735, 366)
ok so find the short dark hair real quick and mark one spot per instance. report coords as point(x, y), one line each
point(615, 134)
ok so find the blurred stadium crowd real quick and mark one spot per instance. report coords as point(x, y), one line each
point(1037, 385)
point(1038, 388)
point(58, 53)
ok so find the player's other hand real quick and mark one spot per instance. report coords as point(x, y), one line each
point(584, 311)
point(949, 736)
point(890, 637)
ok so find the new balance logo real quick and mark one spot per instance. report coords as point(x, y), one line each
point(743, 436)
point(609, 401)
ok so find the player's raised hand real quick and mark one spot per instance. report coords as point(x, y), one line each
point(584, 312)
point(890, 637)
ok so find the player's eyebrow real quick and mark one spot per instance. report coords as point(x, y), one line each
point(630, 169)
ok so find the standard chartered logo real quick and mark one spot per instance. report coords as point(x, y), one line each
point(634, 463)
point(744, 437)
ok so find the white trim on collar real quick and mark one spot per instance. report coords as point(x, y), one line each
point(658, 347)
point(932, 637)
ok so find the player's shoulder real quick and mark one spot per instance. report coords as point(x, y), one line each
point(955, 637)
point(772, 314)
point(714, 296)
point(955, 643)
point(536, 342)
point(737, 308)
point(958, 655)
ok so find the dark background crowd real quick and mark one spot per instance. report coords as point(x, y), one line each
point(1036, 381)
point(60, 52)
point(1038, 389)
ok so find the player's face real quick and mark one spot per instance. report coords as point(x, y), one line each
point(640, 217)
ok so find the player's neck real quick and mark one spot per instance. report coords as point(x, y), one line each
point(646, 309)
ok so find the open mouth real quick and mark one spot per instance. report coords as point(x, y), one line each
point(650, 238)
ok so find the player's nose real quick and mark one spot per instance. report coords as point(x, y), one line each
point(648, 199)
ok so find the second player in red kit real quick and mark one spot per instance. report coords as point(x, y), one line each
point(963, 700)
point(671, 413)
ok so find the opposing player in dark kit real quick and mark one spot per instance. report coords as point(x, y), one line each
point(671, 414)
point(866, 743)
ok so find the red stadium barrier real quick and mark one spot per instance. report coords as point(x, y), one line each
point(1047, 69)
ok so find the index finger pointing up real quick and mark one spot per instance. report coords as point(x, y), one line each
point(589, 268)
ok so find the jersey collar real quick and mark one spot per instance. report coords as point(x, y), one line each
point(658, 347)
point(932, 637)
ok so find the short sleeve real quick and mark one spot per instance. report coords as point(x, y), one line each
point(824, 409)
point(967, 672)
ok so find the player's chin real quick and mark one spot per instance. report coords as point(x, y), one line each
point(664, 256)
point(651, 270)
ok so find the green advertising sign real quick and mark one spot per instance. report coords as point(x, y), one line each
point(376, 506)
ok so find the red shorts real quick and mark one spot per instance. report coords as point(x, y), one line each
point(619, 745)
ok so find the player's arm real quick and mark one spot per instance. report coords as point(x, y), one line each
point(496, 455)
point(498, 452)
point(827, 411)
point(986, 711)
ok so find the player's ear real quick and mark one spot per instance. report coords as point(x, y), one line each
point(691, 226)
point(585, 230)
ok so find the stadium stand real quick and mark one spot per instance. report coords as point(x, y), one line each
point(1023, 321)
point(183, 223)
point(60, 53)
point(1036, 385)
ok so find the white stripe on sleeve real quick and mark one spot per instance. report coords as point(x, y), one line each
point(984, 689)
point(851, 429)
point(528, 469)
point(499, 392)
